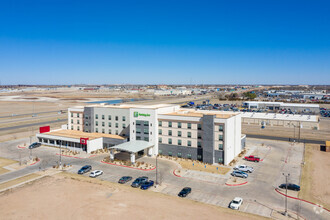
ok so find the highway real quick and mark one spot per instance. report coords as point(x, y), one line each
point(33, 124)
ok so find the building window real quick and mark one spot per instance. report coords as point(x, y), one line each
point(71, 127)
point(109, 124)
point(179, 125)
point(138, 130)
point(116, 125)
point(189, 134)
point(220, 160)
point(179, 155)
point(170, 132)
point(97, 123)
point(86, 124)
point(146, 138)
point(102, 117)
point(159, 131)
point(124, 118)
point(170, 153)
point(189, 156)
point(124, 126)
point(179, 133)
point(170, 141)
point(71, 114)
point(96, 116)
point(86, 117)
point(220, 137)
point(103, 130)
point(199, 157)
point(170, 124)
point(189, 125)
point(116, 132)
point(220, 128)
point(160, 152)
point(138, 122)
point(179, 142)
point(189, 143)
point(199, 127)
point(78, 122)
point(138, 138)
point(116, 118)
point(146, 123)
point(159, 140)
point(199, 136)
point(146, 131)
point(199, 144)
point(109, 131)
point(109, 117)
point(77, 115)
point(96, 130)
point(103, 123)
point(159, 123)
point(220, 146)
point(71, 121)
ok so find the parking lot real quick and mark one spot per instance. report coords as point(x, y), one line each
point(258, 194)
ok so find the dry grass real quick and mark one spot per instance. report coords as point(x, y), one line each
point(18, 180)
point(5, 162)
point(309, 178)
point(203, 167)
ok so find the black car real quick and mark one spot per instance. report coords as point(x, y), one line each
point(184, 192)
point(34, 145)
point(290, 186)
point(85, 169)
point(139, 181)
point(125, 179)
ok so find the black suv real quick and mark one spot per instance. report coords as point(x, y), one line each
point(290, 186)
point(139, 181)
point(34, 145)
point(85, 169)
point(184, 192)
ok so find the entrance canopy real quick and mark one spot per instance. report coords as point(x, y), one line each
point(133, 146)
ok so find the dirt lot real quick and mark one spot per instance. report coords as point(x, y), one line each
point(71, 197)
point(315, 180)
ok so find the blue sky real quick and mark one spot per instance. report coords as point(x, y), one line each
point(171, 42)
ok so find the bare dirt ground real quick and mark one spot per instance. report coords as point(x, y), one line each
point(67, 196)
point(315, 179)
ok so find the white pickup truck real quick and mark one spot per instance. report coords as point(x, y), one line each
point(244, 168)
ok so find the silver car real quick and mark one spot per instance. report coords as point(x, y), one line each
point(238, 173)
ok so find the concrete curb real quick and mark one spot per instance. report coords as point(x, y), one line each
point(291, 197)
point(175, 173)
point(128, 166)
point(76, 157)
point(240, 184)
point(21, 147)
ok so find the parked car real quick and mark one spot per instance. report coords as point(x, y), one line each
point(236, 203)
point(95, 173)
point(139, 181)
point(244, 168)
point(85, 169)
point(252, 158)
point(147, 184)
point(184, 192)
point(125, 179)
point(238, 173)
point(290, 186)
point(34, 145)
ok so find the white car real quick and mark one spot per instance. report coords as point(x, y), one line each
point(244, 168)
point(236, 203)
point(96, 173)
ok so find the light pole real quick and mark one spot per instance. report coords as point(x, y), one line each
point(60, 153)
point(286, 193)
point(156, 170)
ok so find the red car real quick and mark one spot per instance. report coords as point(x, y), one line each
point(252, 158)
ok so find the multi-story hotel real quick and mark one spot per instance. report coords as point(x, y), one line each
point(208, 136)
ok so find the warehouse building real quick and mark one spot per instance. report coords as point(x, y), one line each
point(208, 136)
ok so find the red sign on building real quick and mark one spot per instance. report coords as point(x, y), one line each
point(44, 129)
point(83, 141)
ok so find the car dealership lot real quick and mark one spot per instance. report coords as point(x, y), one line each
point(258, 194)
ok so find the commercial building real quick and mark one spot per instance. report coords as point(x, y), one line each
point(294, 107)
point(208, 136)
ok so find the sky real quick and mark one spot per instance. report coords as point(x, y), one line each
point(165, 42)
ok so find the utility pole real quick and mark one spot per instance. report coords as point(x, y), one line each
point(61, 154)
point(286, 193)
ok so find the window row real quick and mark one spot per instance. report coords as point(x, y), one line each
point(109, 131)
point(109, 117)
point(145, 138)
point(179, 142)
point(72, 122)
point(77, 115)
point(179, 125)
point(109, 124)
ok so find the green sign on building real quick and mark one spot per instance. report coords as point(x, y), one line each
point(136, 114)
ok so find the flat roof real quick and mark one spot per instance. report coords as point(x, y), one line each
point(285, 104)
point(81, 134)
point(278, 116)
point(200, 113)
point(128, 106)
point(133, 146)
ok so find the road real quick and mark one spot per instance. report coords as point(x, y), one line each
point(259, 195)
point(33, 124)
point(283, 139)
point(29, 114)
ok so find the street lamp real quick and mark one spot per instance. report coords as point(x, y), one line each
point(286, 193)
point(156, 170)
